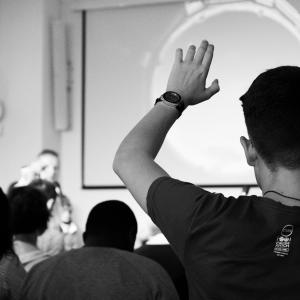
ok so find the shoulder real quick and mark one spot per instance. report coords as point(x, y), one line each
point(49, 263)
point(12, 275)
point(142, 264)
point(185, 198)
point(168, 187)
point(80, 260)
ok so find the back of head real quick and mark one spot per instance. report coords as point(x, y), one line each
point(48, 188)
point(5, 230)
point(271, 109)
point(111, 224)
point(28, 210)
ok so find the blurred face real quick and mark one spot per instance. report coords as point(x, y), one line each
point(49, 166)
point(65, 215)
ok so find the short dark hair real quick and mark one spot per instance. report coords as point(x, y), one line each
point(46, 187)
point(28, 210)
point(111, 217)
point(48, 151)
point(271, 110)
point(5, 226)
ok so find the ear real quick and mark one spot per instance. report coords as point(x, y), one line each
point(250, 151)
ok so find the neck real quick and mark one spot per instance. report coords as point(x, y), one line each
point(285, 182)
point(103, 242)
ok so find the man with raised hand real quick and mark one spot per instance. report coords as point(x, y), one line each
point(231, 248)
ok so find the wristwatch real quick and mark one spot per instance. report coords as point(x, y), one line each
point(172, 99)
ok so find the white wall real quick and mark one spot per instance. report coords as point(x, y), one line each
point(21, 55)
point(25, 83)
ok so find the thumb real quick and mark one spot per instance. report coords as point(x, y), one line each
point(213, 89)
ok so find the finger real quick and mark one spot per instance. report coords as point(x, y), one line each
point(213, 89)
point(190, 54)
point(200, 52)
point(207, 59)
point(178, 55)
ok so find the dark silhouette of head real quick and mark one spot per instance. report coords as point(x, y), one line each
point(28, 210)
point(5, 228)
point(271, 108)
point(111, 224)
point(48, 189)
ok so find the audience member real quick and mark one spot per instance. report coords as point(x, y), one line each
point(158, 248)
point(105, 268)
point(55, 239)
point(12, 273)
point(29, 220)
point(49, 165)
point(231, 248)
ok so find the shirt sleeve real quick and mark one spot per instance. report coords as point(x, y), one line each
point(174, 205)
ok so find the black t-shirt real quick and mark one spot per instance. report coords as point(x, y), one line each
point(232, 248)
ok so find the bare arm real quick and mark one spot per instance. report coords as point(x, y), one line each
point(134, 160)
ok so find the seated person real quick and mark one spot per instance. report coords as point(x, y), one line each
point(158, 248)
point(57, 238)
point(12, 273)
point(29, 220)
point(104, 268)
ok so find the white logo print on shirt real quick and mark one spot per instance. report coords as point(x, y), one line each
point(282, 246)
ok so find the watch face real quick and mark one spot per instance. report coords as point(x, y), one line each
point(172, 97)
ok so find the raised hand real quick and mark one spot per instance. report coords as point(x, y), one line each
point(188, 76)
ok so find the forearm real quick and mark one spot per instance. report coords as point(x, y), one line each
point(147, 136)
point(134, 160)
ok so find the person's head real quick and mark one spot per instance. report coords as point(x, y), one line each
point(5, 228)
point(29, 211)
point(111, 224)
point(271, 109)
point(48, 188)
point(49, 165)
point(58, 204)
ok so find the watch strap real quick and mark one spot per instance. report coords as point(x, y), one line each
point(179, 106)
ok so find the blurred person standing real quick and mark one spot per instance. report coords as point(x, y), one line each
point(49, 165)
